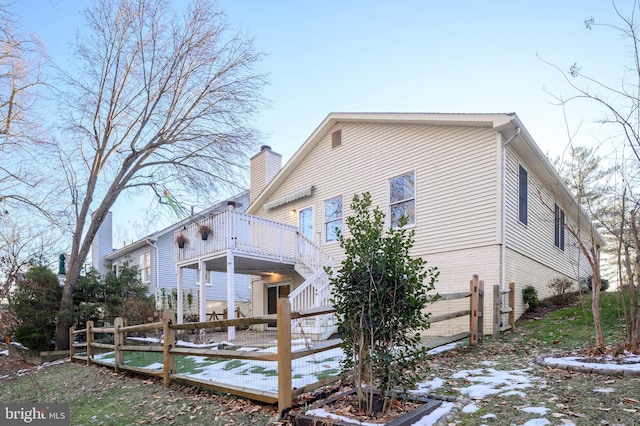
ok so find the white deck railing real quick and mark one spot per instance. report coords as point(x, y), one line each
point(314, 292)
point(242, 233)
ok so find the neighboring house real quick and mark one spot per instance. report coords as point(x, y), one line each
point(154, 257)
point(480, 195)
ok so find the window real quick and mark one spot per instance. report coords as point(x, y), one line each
point(332, 218)
point(558, 236)
point(402, 199)
point(523, 198)
point(305, 222)
point(144, 265)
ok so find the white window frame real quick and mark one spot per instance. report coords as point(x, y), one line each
point(144, 266)
point(337, 220)
point(412, 221)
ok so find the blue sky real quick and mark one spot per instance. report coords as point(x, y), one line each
point(411, 56)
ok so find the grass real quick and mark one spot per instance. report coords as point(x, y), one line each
point(569, 397)
point(97, 396)
point(572, 327)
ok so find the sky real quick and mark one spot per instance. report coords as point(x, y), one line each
point(404, 56)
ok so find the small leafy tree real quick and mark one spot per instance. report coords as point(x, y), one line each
point(102, 299)
point(380, 294)
point(87, 296)
point(121, 290)
point(35, 303)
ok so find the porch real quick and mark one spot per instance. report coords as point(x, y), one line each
point(237, 243)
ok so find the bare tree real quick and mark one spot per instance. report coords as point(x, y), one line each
point(157, 98)
point(619, 103)
point(22, 62)
point(23, 244)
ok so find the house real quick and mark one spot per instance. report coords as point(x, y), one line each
point(480, 195)
point(154, 257)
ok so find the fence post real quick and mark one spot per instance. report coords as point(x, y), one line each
point(284, 354)
point(473, 318)
point(497, 305)
point(118, 338)
point(480, 311)
point(169, 342)
point(512, 305)
point(89, 342)
point(71, 336)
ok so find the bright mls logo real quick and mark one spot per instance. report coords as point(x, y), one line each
point(34, 414)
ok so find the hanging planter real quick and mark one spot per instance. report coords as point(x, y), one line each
point(181, 240)
point(204, 231)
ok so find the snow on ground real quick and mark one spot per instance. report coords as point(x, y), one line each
point(632, 363)
point(4, 353)
point(484, 382)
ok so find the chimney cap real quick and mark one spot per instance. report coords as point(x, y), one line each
point(265, 148)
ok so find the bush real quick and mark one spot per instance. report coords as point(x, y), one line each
point(380, 294)
point(36, 302)
point(559, 287)
point(530, 297)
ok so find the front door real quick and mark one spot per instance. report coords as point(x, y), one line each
point(275, 291)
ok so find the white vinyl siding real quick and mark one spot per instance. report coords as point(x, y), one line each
point(455, 171)
point(536, 240)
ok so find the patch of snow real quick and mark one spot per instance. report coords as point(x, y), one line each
point(470, 408)
point(489, 363)
point(514, 393)
point(425, 387)
point(4, 353)
point(537, 422)
point(327, 415)
point(575, 362)
point(155, 366)
point(443, 348)
point(435, 415)
point(493, 382)
point(535, 410)
point(489, 416)
point(19, 346)
point(603, 390)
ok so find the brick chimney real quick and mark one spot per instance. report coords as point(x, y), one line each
point(264, 166)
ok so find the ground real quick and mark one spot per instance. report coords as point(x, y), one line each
point(502, 382)
point(10, 366)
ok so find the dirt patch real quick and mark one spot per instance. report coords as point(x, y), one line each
point(11, 366)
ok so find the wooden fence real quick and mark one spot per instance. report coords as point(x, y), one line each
point(284, 355)
point(501, 307)
point(475, 313)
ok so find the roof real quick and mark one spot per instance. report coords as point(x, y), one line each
point(508, 124)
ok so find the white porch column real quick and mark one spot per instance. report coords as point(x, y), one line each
point(180, 317)
point(203, 290)
point(231, 305)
